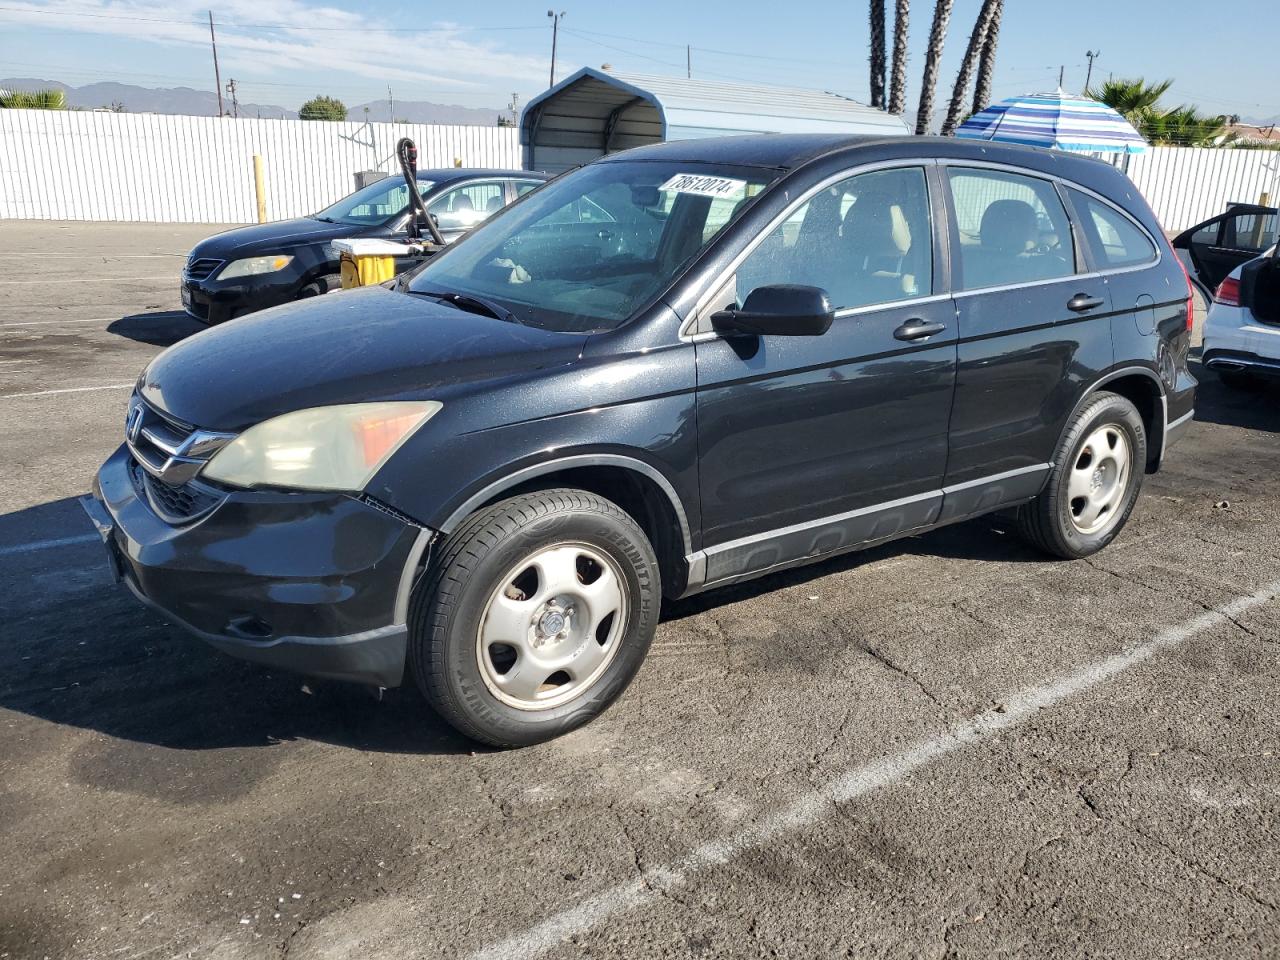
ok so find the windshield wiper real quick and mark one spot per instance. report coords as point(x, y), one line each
point(471, 304)
point(325, 219)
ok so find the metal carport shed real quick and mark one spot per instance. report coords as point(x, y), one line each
point(595, 112)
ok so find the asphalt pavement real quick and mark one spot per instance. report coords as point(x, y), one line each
point(949, 746)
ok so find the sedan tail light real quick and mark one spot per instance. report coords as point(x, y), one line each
point(1228, 292)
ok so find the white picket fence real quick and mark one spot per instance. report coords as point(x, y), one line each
point(73, 165)
point(1185, 185)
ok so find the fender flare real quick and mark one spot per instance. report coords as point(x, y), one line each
point(1127, 372)
point(510, 480)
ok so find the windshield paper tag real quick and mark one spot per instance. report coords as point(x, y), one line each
point(702, 186)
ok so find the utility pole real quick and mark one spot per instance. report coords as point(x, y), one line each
point(555, 32)
point(391, 105)
point(688, 62)
point(1092, 55)
point(1061, 73)
point(514, 107)
point(217, 79)
point(235, 103)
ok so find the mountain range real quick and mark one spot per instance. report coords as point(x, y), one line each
point(204, 103)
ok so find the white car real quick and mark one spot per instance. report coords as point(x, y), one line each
point(1242, 330)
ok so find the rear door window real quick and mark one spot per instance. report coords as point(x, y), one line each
point(463, 207)
point(867, 240)
point(1115, 239)
point(1254, 232)
point(1011, 229)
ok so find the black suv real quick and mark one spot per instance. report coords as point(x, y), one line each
point(673, 369)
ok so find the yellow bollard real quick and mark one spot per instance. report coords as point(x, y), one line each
point(259, 188)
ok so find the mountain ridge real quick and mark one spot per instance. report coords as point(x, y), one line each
point(186, 101)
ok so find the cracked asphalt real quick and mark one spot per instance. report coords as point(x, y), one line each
point(877, 756)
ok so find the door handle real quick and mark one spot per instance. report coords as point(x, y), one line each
point(917, 329)
point(1082, 302)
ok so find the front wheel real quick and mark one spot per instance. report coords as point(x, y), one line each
point(1097, 474)
point(536, 616)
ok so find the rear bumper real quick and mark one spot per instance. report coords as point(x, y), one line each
point(1242, 361)
point(313, 583)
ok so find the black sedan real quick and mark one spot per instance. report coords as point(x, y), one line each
point(251, 268)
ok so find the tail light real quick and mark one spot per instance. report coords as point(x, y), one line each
point(1228, 292)
point(1191, 299)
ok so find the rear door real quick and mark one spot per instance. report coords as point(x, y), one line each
point(1217, 246)
point(811, 444)
point(1033, 331)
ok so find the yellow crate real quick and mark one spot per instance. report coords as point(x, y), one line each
point(363, 270)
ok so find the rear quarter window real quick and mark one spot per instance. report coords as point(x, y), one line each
point(1116, 241)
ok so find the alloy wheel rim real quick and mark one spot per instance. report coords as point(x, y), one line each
point(1099, 479)
point(552, 626)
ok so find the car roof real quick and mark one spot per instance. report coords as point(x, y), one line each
point(788, 151)
point(443, 174)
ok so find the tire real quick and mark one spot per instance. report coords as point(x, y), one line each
point(1065, 524)
point(517, 571)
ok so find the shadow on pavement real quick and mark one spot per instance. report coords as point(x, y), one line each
point(1253, 407)
point(161, 329)
point(77, 650)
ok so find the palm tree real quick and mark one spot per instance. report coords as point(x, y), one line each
point(932, 57)
point(1129, 98)
point(35, 100)
point(1183, 126)
point(1139, 102)
point(987, 65)
point(898, 79)
point(877, 54)
point(977, 40)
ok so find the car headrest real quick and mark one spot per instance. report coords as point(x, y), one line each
point(494, 204)
point(876, 226)
point(1009, 227)
point(462, 202)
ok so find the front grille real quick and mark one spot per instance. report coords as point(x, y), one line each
point(201, 268)
point(174, 504)
point(167, 456)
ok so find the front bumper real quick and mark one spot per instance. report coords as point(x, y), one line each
point(309, 582)
point(212, 301)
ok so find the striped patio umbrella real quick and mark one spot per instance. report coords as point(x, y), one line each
point(1055, 120)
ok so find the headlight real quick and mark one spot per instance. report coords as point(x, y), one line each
point(326, 448)
point(252, 266)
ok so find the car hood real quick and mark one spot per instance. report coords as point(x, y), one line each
point(262, 238)
point(349, 347)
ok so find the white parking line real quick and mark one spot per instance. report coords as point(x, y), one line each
point(33, 323)
point(50, 393)
point(858, 782)
point(46, 544)
point(66, 280)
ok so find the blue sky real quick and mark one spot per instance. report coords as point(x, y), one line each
point(283, 51)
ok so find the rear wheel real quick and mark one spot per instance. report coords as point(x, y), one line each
point(1095, 481)
point(538, 613)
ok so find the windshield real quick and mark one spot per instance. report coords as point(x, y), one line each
point(589, 249)
point(377, 203)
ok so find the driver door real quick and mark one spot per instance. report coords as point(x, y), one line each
point(813, 444)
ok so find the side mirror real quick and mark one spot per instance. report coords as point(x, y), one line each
point(781, 310)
